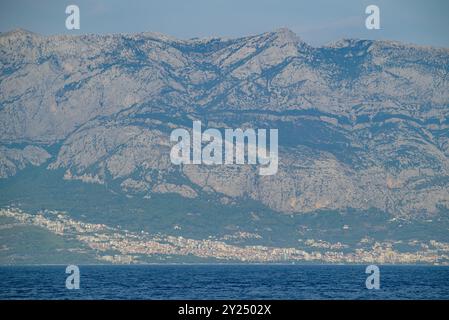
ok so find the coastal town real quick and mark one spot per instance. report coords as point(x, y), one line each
point(121, 246)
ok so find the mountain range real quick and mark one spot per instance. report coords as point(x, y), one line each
point(363, 136)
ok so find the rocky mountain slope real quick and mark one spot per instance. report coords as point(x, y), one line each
point(362, 124)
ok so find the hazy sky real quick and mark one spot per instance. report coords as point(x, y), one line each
point(317, 21)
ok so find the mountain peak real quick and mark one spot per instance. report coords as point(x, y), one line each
point(19, 32)
point(286, 35)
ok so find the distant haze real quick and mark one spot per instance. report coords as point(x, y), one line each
point(316, 22)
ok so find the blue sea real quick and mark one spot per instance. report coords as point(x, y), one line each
point(224, 282)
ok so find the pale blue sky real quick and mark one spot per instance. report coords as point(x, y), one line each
point(317, 21)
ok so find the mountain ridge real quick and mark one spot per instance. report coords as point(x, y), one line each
point(356, 115)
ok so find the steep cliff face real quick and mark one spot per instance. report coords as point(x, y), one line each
point(362, 124)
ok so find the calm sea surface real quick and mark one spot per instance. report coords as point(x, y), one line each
point(224, 282)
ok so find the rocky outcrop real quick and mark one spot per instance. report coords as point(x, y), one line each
point(15, 159)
